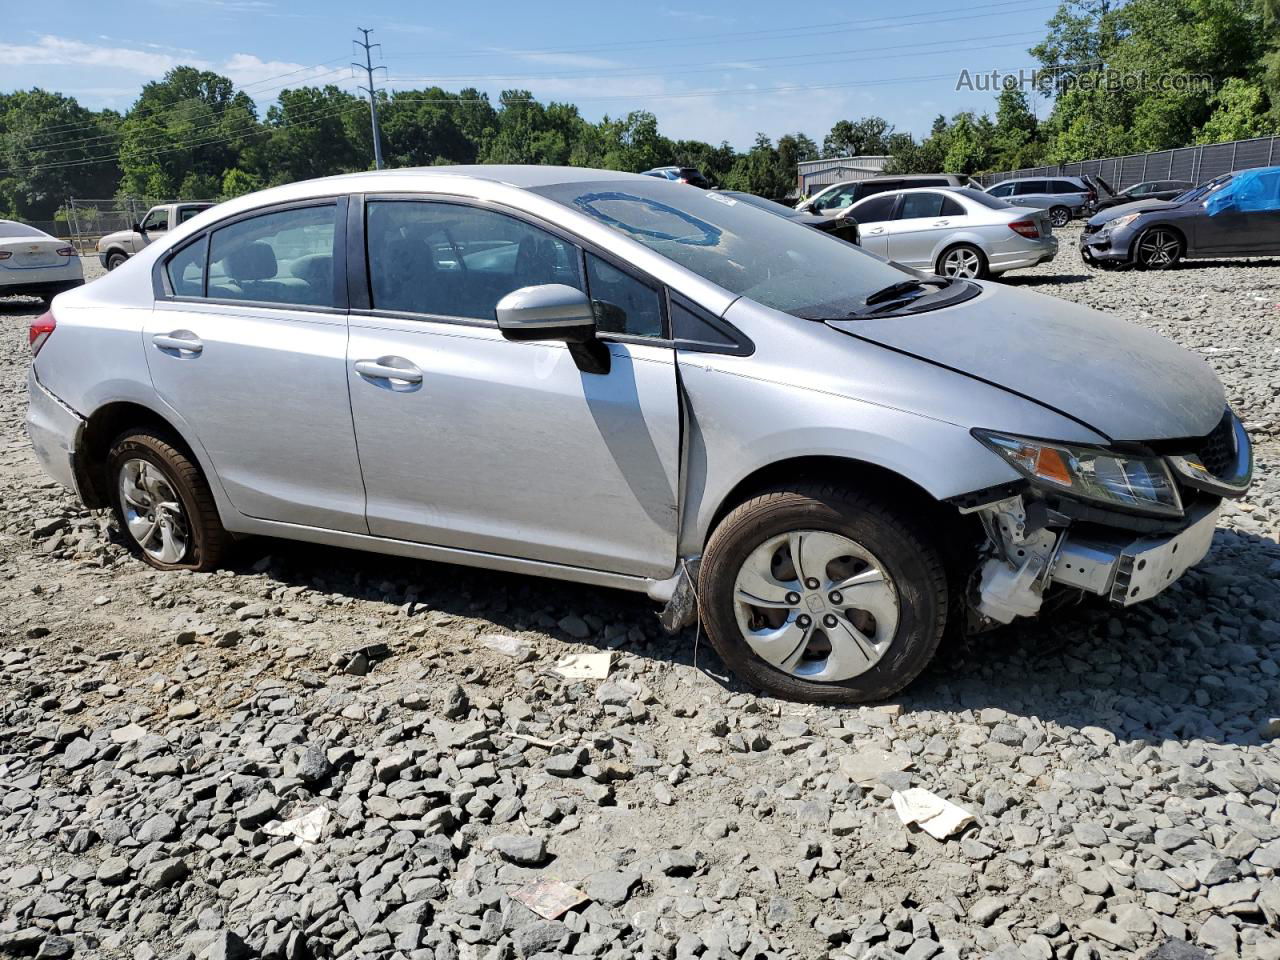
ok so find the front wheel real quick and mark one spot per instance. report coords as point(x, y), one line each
point(1059, 216)
point(963, 260)
point(1157, 249)
point(821, 594)
point(115, 259)
point(163, 503)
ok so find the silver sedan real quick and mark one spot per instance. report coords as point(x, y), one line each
point(954, 232)
point(616, 380)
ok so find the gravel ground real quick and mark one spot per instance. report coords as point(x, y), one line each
point(167, 741)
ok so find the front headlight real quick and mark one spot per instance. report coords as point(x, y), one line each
point(1090, 473)
point(1119, 222)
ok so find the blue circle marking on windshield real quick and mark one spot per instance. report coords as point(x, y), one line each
point(708, 235)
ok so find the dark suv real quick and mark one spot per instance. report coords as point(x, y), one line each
point(839, 196)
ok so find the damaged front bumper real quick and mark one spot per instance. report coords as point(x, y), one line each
point(1125, 567)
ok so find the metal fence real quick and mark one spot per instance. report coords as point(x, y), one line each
point(88, 221)
point(1193, 164)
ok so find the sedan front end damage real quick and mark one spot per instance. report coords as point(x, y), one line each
point(1117, 524)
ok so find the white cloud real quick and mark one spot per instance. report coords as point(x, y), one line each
point(50, 50)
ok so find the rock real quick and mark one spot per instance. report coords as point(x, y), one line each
point(521, 849)
point(226, 945)
point(1177, 950)
point(987, 909)
point(164, 873)
point(77, 753)
point(612, 888)
point(1218, 935)
point(55, 948)
point(313, 766)
point(1108, 932)
point(113, 871)
point(157, 828)
point(538, 937)
point(575, 627)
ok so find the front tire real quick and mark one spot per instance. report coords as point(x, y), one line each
point(856, 619)
point(1059, 216)
point(115, 259)
point(163, 504)
point(1157, 249)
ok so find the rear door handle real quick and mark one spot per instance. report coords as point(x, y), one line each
point(183, 341)
point(389, 368)
point(942, 223)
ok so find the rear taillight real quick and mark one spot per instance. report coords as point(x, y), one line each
point(39, 332)
point(1026, 228)
point(66, 251)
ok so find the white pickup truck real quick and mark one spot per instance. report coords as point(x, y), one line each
point(115, 248)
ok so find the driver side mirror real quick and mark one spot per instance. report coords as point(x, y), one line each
point(554, 311)
point(137, 228)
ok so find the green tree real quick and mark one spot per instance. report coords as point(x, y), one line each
point(1016, 142)
point(1240, 112)
point(311, 132)
point(51, 148)
point(852, 138)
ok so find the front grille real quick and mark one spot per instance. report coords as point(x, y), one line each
point(1217, 451)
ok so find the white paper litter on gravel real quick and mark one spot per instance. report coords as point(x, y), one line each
point(938, 817)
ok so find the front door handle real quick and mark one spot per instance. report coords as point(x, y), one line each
point(942, 223)
point(389, 368)
point(875, 230)
point(184, 341)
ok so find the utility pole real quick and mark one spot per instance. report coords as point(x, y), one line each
point(368, 69)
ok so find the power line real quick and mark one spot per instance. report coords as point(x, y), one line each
point(368, 68)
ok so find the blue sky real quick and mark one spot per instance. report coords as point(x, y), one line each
point(714, 70)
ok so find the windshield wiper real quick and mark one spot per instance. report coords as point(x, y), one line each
point(895, 292)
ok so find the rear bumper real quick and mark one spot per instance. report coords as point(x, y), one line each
point(39, 288)
point(1028, 253)
point(55, 431)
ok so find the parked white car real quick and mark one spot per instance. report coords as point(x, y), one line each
point(34, 264)
point(953, 233)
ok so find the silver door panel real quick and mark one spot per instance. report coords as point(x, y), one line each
point(266, 394)
point(507, 448)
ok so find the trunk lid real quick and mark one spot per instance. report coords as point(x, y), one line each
point(28, 252)
point(1125, 382)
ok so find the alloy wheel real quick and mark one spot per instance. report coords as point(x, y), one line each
point(1158, 248)
point(153, 513)
point(962, 263)
point(816, 605)
point(1059, 217)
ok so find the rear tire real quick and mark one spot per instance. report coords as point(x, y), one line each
point(1059, 216)
point(163, 504)
point(115, 259)
point(963, 260)
point(884, 578)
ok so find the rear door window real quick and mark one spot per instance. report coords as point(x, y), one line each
point(283, 258)
point(1026, 187)
point(186, 269)
point(916, 205)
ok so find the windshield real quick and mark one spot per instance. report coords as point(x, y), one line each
point(1195, 193)
point(10, 228)
point(779, 263)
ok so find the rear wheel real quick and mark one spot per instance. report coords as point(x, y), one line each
point(818, 593)
point(1157, 249)
point(115, 259)
point(163, 503)
point(1059, 216)
point(963, 260)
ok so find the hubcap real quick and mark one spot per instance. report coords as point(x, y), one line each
point(834, 631)
point(1158, 249)
point(152, 512)
point(961, 263)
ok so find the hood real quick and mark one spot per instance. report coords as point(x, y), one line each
point(1123, 381)
point(1135, 206)
point(118, 236)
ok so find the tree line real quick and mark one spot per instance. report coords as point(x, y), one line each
point(193, 135)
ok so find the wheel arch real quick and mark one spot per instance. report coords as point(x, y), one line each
point(102, 427)
point(960, 240)
point(953, 530)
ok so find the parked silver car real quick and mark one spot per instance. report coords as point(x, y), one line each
point(953, 233)
point(1063, 197)
point(614, 379)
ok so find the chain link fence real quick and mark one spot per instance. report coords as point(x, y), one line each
point(1193, 164)
point(85, 222)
